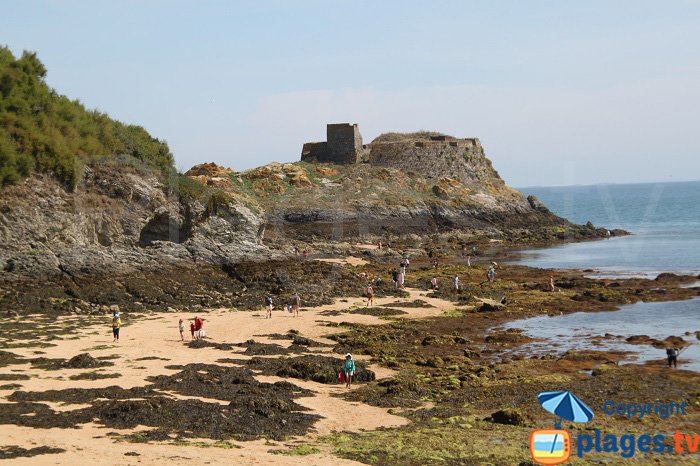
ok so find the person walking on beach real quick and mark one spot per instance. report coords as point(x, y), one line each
point(672, 356)
point(296, 304)
point(268, 305)
point(455, 282)
point(395, 278)
point(370, 295)
point(348, 369)
point(433, 283)
point(551, 284)
point(181, 327)
point(491, 274)
point(116, 325)
point(402, 277)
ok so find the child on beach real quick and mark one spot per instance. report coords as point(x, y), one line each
point(268, 305)
point(348, 369)
point(296, 304)
point(181, 326)
point(192, 329)
point(116, 325)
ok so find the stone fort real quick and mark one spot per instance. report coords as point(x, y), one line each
point(433, 155)
point(343, 145)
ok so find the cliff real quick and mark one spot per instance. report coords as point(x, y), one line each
point(78, 230)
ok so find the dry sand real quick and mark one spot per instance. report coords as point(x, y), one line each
point(157, 335)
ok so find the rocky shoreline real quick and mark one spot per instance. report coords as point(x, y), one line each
point(451, 374)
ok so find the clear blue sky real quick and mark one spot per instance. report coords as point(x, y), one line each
point(560, 92)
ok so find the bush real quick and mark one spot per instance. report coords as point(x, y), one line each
point(43, 131)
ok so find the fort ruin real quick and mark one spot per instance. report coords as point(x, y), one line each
point(433, 155)
point(343, 145)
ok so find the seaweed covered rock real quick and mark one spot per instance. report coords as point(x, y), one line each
point(509, 417)
point(322, 369)
point(83, 361)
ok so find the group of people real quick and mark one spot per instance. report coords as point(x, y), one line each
point(293, 306)
point(304, 253)
point(196, 328)
point(399, 276)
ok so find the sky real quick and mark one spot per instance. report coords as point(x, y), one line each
point(559, 92)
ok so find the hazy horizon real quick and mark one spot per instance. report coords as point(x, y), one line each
point(560, 94)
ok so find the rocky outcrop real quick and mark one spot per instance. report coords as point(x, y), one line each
point(131, 236)
point(117, 220)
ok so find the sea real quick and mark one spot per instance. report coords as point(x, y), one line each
point(664, 219)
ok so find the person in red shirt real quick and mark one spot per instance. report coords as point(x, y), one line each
point(198, 325)
point(192, 329)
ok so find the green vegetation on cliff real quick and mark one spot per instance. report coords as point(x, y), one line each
point(43, 131)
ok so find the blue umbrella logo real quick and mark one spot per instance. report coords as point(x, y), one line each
point(565, 405)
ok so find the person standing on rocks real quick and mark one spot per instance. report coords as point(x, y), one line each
point(296, 304)
point(434, 283)
point(268, 305)
point(469, 260)
point(116, 325)
point(672, 356)
point(348, 369)
point(551, 284)
point(370, 295)
point(455, 282)
point(491, 274)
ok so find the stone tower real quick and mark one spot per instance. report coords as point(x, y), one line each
point(343, 145)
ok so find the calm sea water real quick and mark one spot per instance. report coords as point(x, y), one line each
point(664, 217)
point(665, 220)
